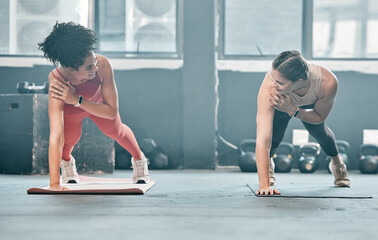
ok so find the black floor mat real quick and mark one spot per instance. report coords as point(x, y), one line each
point(314, 191)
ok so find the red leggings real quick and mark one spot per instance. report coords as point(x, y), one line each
point(112, 128)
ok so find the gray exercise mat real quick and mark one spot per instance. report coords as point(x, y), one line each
point(313, 191)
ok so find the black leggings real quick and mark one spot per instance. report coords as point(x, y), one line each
point(320, 132)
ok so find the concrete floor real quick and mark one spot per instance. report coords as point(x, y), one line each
point(189, 204)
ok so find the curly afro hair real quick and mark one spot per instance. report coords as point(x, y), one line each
point(68, 45)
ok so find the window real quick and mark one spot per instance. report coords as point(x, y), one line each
point(24, 23)
point(135, 27)
point(138, 26)
point(345, 29)
point(261, 27)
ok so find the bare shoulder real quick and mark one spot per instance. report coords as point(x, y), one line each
point(266, 87)
point(51, 76)
point(55, 105)
point(102, 62)
point(329, 83)
point(105, 68)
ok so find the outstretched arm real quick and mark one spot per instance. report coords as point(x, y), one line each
point(56, 140)
point(264, 132)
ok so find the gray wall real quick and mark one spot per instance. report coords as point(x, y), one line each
point(151, 103)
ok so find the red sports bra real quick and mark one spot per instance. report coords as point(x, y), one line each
point(90, 90)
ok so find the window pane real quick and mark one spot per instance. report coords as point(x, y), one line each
point(4, 26)
point(138, 26)
point(345, 29)
point(24, 23)
point(262, 27)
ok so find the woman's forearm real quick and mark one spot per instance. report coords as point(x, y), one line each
point(99, 109)
point(55, 156)
point(262, 162)
point(310, 116)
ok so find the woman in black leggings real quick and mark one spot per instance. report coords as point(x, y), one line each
point(294, 88)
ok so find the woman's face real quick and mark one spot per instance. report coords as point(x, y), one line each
point(88, 70)
point(281, 84)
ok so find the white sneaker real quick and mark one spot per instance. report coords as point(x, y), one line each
point(140, 170)
point(272, 178)
point(340, 174)
point(69, 172)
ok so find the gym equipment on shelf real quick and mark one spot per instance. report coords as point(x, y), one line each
point(26, 87)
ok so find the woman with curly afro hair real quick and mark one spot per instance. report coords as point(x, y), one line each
point(82, 85)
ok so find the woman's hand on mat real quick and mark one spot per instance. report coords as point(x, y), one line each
point(64, 91)
point(57, 188)
point(267, 191)
point(282, 102)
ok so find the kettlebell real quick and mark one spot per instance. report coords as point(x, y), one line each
point(247, 159)
point(308, 161)
point(343, 148)
point(368, 162)
point(155, 154)
point(283, 159)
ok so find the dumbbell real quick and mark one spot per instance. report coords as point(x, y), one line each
point(283, 159)
point(26, 87)
point(308, 157)
point(158, 159)
point(368, 162)
point(343, 147)
point(247, 158)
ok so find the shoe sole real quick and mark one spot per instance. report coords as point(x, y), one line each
point(71, 181)
point(342, 185)
point(141, 182)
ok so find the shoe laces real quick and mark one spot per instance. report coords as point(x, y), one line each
point(141, 165)
point(69, 167)
point(341, 171)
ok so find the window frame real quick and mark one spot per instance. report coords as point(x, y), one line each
point(93, 23)
point(306, 45)
point(221, 39)
point(145, 55)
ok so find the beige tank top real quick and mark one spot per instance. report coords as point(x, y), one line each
point(315, 76)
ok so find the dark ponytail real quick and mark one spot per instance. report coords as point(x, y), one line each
point(291, 65)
